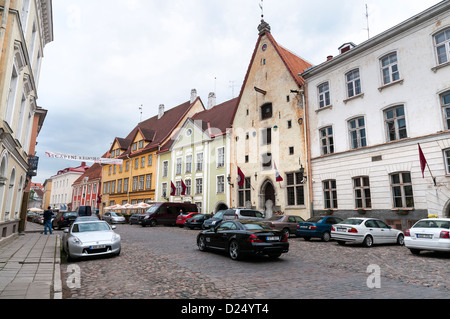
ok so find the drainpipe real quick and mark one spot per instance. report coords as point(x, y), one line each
point(3, 24)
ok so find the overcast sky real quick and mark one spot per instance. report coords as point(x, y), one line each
point(109, 57)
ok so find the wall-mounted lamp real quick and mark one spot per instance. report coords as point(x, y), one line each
point(303, 178)
point(229, 181)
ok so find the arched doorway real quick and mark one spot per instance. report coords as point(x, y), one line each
point(220, 206)
point(267, 198)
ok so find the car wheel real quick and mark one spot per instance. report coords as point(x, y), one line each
point(326, 236)
point(234, 250)
point(152, 223)
point(401, 240)
point(286, 232)
point(201, 243)
point(368, 241)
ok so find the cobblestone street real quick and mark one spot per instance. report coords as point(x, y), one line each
point(164, 262)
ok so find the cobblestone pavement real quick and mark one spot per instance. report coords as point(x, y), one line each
point(164, 263)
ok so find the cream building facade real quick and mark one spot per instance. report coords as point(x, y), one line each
point(26, 27)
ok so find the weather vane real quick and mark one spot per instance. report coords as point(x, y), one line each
point(261, 5)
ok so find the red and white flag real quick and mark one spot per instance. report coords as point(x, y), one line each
point(240, 177)
point(183, 188)
point(278, 177)
point(173, 189)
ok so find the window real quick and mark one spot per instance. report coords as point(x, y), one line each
point(135, 183)
point(324, 95)
point(445, 103)
point(150, 160)
point(389, 68)
point(221, 157)
point(244, 192)
point(295, 191)
point(395, 122)
point(199, 185)
point(266, 135)
point(357, 131)
point(127, 166)
point(141, 182)
point(177, 188)
point(119, 186)
point(165, 168)
point(148, 181)
point(330, 194)
point(326, 140)
point(125, 184)
point(164, 190)
point(266, 111)
point(143, 162)
point(447, 160)
point(353, 83)
point(136, 163)
point(266, 160)
point(361, 187)
point(442, 42)
point(188, 186)
point(402, 191)
point(199, 166)
point(179, 166)
point(188, 163)
point(220, 184)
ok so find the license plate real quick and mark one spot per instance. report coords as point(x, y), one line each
point(273, 238)
point(97, 246)
point(427, 236)
point(341, 229)
point(304, 226)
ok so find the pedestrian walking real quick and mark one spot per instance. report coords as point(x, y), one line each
point(48, 214)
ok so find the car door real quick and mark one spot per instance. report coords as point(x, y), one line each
point(389, 235)
point(375, 231)
point(223, 234)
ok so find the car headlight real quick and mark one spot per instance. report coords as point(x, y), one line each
point(116, 237)
point(75, 240)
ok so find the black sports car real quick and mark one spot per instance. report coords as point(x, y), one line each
point(244, 237)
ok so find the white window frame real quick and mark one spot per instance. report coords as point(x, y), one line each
point(324, 96)
point(390, 71)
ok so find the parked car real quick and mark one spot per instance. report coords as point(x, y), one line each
point(38, 218)
point(134, 219)
point(64, 219)
point(181, 219)
point(428, 234)
point(84, 211)
point(318, 226)
point(366, 231)
point(165, 213)
point(30, 216)
point(285, 223)
point(114, 218)
point(215, 220)
point(90, 238)
point(242, 213)
point(197, 220)
point(244, 237)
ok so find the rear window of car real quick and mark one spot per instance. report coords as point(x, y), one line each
point(352, 221)
point(276, 218)
point(256, 226)
point(71, 214)
point(314, 220)
point(251, 213)
point(432, 224)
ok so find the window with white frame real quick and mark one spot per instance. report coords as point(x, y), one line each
point(324, 95)
point(199, 164)
point(353, 81)
point(148, 181)
point(188, 184)
point(402, 190)
point(445, 103)
point(188, 163)
point(220, 184)
point(164, 190)
point(361, 188)
point(165, 168)
point(125, 184)
point(244, 192)
point(221, 157)
point(177, 188)
point(330, 194)
point(357, 132)
point(198, 185)
point(326, 140)
point(395, 123)
point(442, 43)
point(389, 68)
point(179, 166)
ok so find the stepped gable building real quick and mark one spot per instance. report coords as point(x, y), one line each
point(268, 145)
point(370, 108)
point(26, 27)
point(135, 180)
point(196, 161)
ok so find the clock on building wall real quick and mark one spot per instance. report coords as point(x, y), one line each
point(264, 47)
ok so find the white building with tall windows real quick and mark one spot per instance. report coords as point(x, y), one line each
point(26, 26)
point(369, 109)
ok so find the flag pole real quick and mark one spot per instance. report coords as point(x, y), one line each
point(434, 178)
point(424, 162)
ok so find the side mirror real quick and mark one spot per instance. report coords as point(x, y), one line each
point(66, 230)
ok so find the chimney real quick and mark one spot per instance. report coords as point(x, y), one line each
point(329, 57)
point(193, 95)
point(211, 100)
point(161, 111)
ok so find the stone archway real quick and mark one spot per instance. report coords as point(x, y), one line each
point(220, 206)
point(267, 197)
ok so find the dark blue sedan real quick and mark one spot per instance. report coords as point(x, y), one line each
point(318, 226)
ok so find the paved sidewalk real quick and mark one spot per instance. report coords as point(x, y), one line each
point(30, 266)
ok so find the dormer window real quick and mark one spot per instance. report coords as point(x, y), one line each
point(266, 111)
point(141, 144)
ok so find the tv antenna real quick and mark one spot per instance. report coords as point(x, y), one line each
point(261, 5)
point(367, 20)
point(140, 110)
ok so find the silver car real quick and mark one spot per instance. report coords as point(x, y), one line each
point(113, 218)
point(90, 238)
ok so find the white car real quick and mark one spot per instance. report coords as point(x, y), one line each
point(429, 234)
point(114, 218)
point(90, 237)
point(366, 231)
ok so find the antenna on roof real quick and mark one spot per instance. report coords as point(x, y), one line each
point(367, 18)
point(140, 109)
point(261, 5)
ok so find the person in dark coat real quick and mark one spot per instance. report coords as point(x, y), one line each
point(48, 214)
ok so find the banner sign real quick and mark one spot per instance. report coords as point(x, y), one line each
point(82, 158)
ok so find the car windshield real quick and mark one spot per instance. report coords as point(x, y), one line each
point(116, 214)
point(219, 214)
point(314, 220)
point(197, 216)
point(71, 214)
point(153, 209)
point(352, 221)
point(432, 223)
point(256, 226)
point(88, 227)
point(276, 218)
